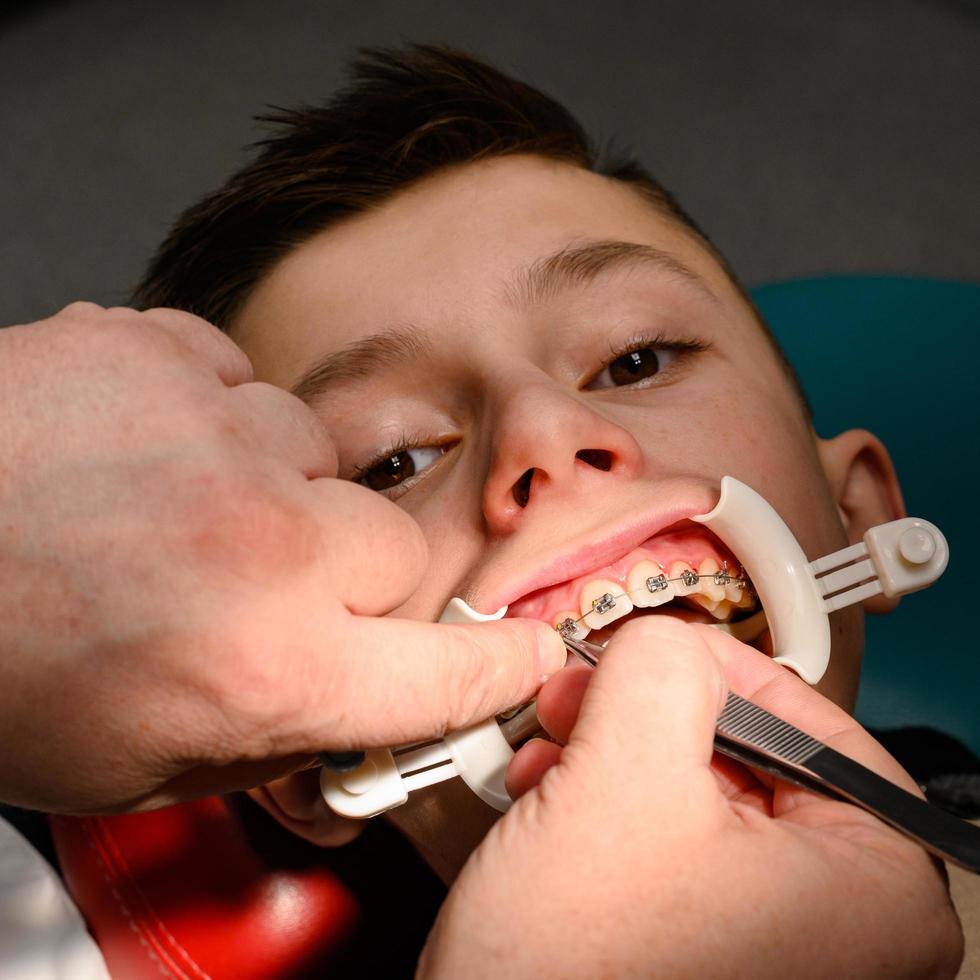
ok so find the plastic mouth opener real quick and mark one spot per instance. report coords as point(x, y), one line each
point(797, 596)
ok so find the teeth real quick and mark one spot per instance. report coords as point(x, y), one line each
point(719, 609)
point(640, 593)
point(677, 573)
point(708, 586)
point(706, 602)
point(602, 602)
point(723, 610)
point(577, 631)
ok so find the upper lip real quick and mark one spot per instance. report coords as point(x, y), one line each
point(599, 549)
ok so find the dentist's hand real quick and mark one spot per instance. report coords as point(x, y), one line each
point(188, 601)
point(632, 854)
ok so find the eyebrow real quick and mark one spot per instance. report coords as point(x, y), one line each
point(576, 265)
point(363, 357)
point(543, 279)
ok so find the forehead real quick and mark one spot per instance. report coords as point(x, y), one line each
point(445, 249)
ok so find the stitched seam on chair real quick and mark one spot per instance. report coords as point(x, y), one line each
point(109, 843)
point(128, 915)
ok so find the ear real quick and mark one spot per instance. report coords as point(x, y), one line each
point(863, 482)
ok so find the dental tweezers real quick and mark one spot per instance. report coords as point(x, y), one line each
point(751, 735)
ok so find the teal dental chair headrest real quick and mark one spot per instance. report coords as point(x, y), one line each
point(900, 357)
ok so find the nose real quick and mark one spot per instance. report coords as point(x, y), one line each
point(550, 446)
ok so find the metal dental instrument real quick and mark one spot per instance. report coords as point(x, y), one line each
point(751, 735)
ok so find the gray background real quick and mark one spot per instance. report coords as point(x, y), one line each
point(808, 138)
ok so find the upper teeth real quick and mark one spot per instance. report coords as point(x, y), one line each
point(603, 602)
point(647, 585)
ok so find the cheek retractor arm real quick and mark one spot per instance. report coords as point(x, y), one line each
point(797, 596)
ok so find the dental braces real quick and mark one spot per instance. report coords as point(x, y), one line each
point(654, 584)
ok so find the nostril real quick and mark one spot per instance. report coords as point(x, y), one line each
point(522, 489)
point(601, 459)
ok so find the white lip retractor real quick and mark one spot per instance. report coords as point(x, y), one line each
point(797, 595)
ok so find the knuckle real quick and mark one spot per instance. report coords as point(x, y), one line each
point(168, 314)
point(306, 420)
point(107, 335)
point(80, 307)
point(183, 324)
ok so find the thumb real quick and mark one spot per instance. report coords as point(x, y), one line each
point(649, 713)
point(411, 680)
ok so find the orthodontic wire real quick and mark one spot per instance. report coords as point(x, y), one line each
point(721, 577)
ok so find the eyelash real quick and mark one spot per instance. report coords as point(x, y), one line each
point(407, 441)
point(403, 443)
point(658, 342)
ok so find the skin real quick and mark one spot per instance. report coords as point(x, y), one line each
point(182, 578)
point(633, 853)
point(506, 389)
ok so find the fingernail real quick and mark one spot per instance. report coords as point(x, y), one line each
point(551, 652)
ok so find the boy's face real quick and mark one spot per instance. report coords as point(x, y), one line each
point(535, 460)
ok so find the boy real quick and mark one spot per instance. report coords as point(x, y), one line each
point(540, 358)
point(529, 352)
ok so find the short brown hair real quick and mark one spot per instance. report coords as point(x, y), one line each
point(404, 115)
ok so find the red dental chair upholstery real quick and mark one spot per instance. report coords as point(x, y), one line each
point(216, 889)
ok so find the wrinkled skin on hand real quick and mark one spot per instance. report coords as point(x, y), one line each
point(631, 852)
point(188, 595)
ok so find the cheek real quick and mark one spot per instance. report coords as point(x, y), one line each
point(723, 432)
point(756, 437)
point(840, 683)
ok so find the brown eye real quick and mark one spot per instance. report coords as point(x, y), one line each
point(399, 467)
point(634, 366)
point(389, 472)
